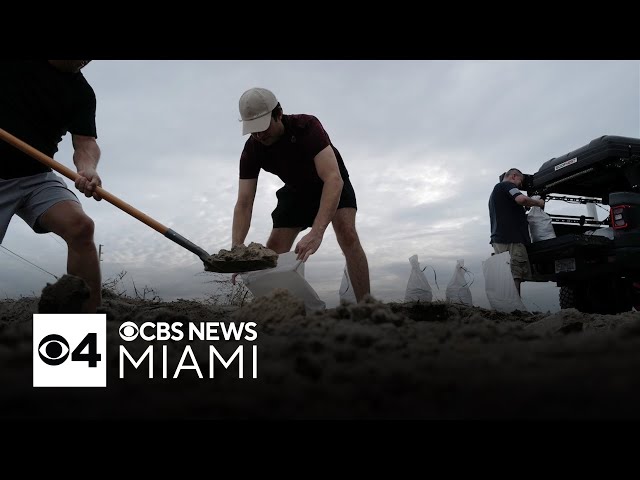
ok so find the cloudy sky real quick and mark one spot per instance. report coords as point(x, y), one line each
point(424, 142)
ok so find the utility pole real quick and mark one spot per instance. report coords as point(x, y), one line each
point(100, 252)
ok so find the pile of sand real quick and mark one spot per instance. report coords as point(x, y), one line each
point(370, 360)
point(242, 259)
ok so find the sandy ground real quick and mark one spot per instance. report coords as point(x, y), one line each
point(367, 361)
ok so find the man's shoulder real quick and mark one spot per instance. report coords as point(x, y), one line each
point(499, 186)
point(83, 80)
point(512, 188)
point(249, 143)
point(302, 120)
point(252, 148)
point(85, 86)
point(507, 185)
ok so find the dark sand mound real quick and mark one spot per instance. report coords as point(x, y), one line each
point(371, 360)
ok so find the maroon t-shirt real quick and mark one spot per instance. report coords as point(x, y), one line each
point(291, 157)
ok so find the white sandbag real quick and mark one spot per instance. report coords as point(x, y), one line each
point(540, 224)
point(347, 295)
point(418, 288)
point(458, 288)
point(499, 285)
point(289, 274)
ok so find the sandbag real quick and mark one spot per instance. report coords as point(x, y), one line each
point(540, 224)
point(499, 284)
point(347, 295)
point(458, 288)
point(418, 288)
point(289, 274)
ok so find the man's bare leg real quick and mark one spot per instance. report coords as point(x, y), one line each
point(68, 220)
point(344, 224)
point(281, 239)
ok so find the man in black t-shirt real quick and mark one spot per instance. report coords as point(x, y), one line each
point(316, 190)
point(40, 101)
point(509, 226)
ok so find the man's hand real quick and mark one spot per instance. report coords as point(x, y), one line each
point(87, 182)
point(308, 245)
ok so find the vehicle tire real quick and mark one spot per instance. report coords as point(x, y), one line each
point(613, 297)
point(635, 295)
point(606, 296)
point(623, 296)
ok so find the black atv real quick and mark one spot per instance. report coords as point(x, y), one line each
point(595, 263)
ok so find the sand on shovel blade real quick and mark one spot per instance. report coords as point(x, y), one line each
point(242, 259)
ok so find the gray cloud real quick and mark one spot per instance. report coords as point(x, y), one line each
point(424, 142)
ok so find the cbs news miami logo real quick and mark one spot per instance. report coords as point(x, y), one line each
point(69, 350)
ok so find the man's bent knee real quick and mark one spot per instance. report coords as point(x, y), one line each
point(80, 231)
point(281, 241)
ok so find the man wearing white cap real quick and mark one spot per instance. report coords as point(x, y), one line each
point(316, 190)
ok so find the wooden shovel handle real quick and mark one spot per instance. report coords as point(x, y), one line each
point(71, 175)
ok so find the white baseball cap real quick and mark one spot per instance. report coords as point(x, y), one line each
point(256, 105)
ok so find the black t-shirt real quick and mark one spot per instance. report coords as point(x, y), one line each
point(39, 104)
point(508, 220)
point(291, 157)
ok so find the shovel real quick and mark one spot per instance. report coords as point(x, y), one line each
point(211, 262)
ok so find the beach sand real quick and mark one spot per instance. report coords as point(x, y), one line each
point(370, 360)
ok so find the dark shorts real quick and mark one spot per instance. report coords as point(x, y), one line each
point(299, 208)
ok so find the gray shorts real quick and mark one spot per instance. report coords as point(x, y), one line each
point(520, 268)
point(29, 197)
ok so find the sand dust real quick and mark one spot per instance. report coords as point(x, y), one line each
point(372, 360)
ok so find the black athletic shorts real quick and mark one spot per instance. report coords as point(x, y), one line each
point(299, 208)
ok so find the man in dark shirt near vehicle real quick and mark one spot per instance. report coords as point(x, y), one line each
point(316, 190)
point(509, 226)
point(40, 101)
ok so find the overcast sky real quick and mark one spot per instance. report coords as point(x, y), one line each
point(424, 142)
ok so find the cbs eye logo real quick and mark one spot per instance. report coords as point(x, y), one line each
point(129, 331)
point(69, 350)
point(54, 350)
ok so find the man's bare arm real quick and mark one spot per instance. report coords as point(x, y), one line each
point(86, 155)
point(327, 168)
point(243, 210)
point(528, 201)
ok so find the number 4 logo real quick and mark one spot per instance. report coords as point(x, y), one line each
point(69, 350)
point(92, 357)
point(54, 350)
